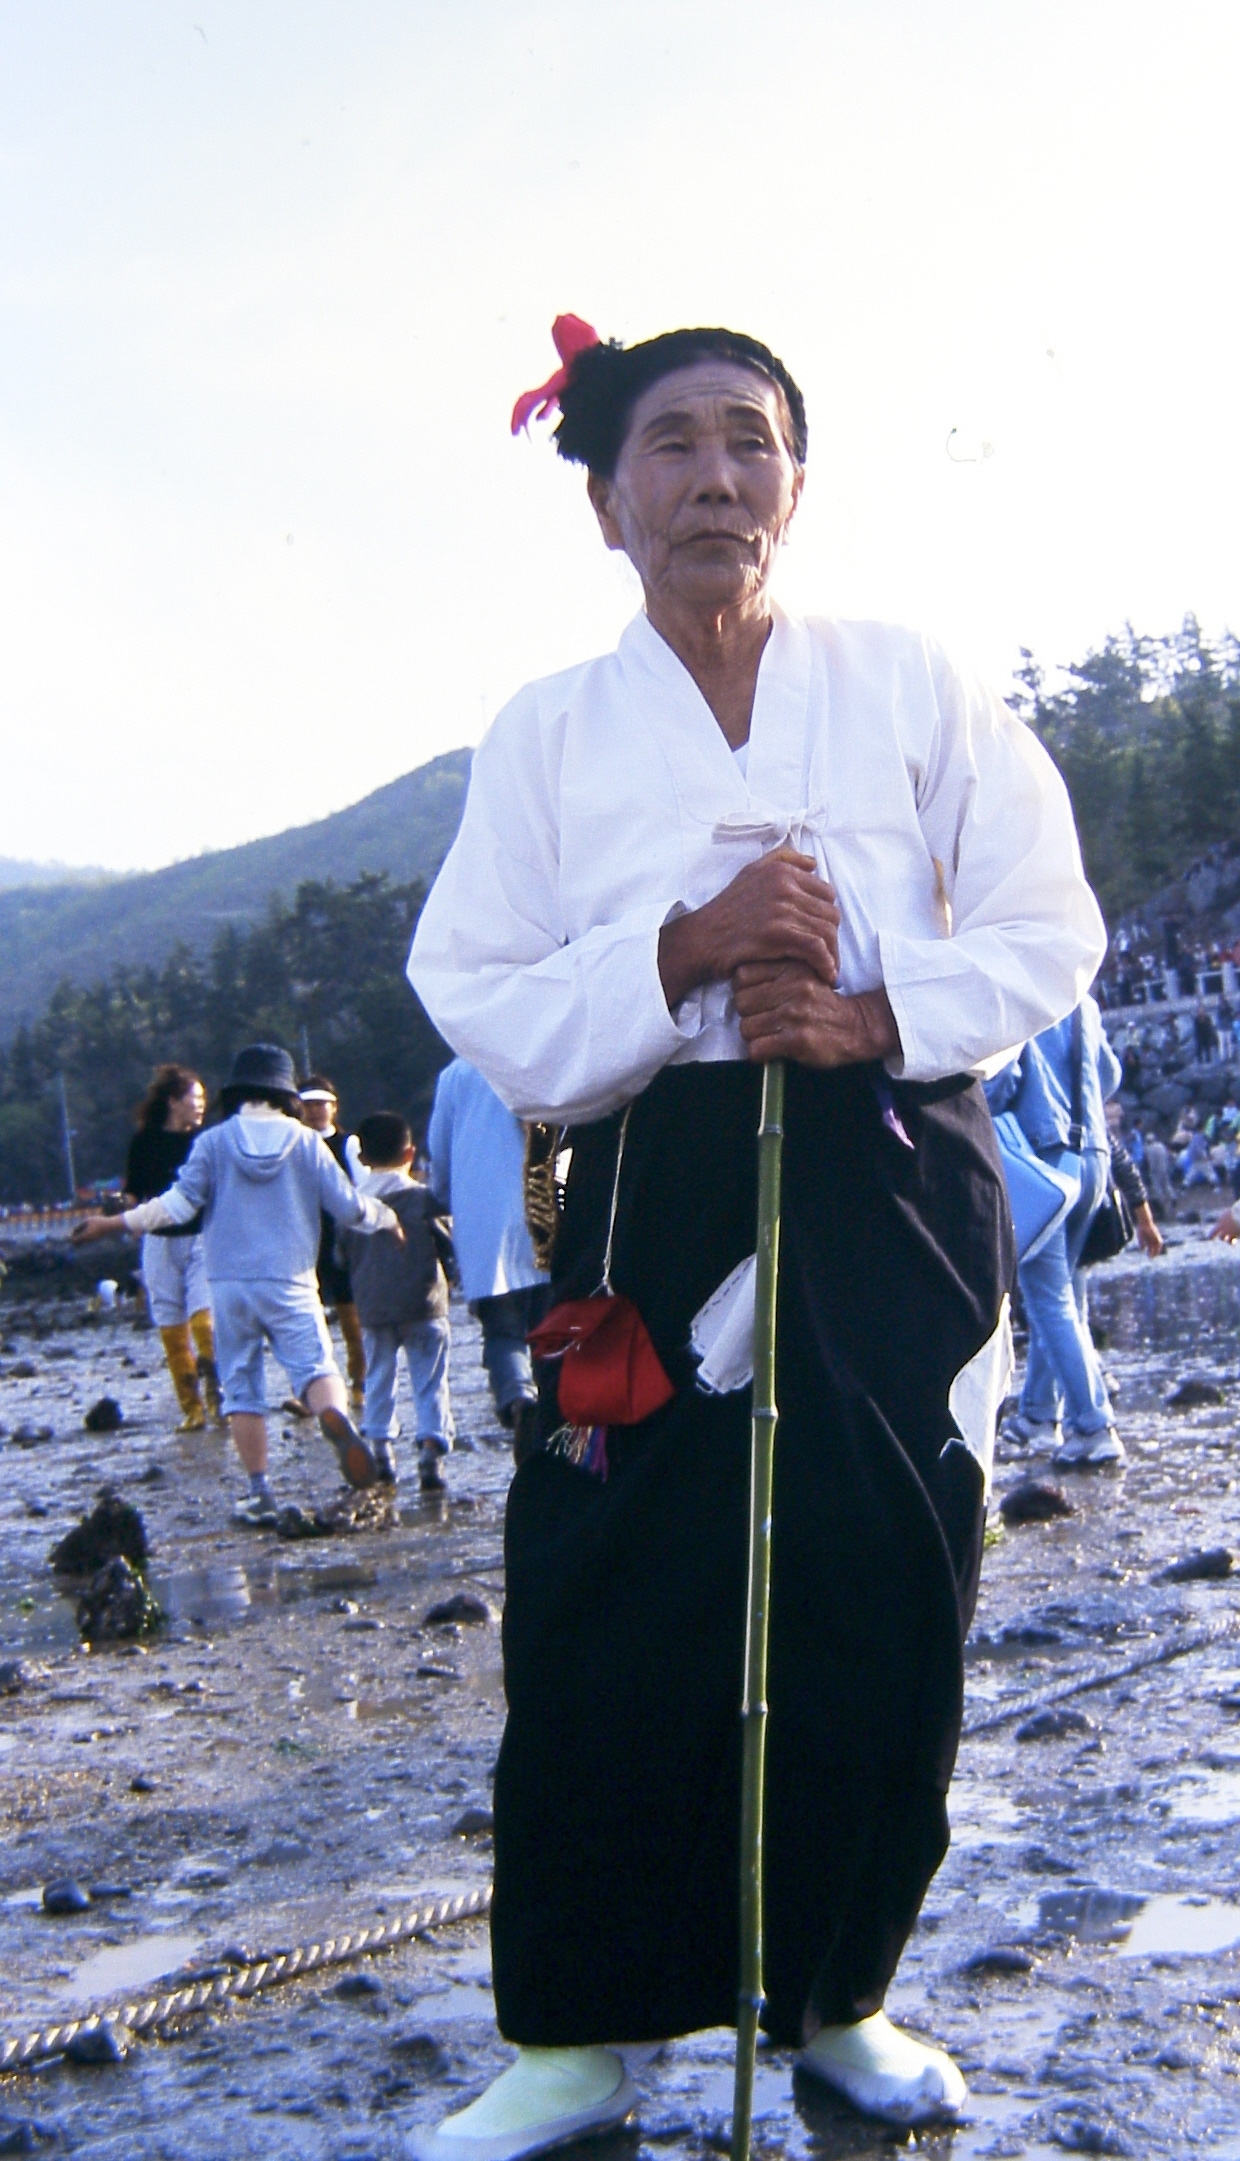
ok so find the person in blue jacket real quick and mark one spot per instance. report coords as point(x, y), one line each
point(1065, 1402)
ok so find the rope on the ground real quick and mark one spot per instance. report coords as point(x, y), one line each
point(1197, 1639)
point(22, 2053)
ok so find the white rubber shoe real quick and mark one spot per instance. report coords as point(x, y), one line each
point(547, 2098)
point(885, 2073)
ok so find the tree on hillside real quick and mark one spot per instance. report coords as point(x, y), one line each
point(327, 969)
point(1146, 733)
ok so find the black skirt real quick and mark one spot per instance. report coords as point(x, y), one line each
point(617, 1793)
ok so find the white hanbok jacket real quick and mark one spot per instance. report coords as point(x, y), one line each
point(605, 800)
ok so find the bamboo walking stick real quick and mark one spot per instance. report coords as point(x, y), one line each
point(753, 1705)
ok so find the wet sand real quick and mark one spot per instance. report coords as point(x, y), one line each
point(309, 1746)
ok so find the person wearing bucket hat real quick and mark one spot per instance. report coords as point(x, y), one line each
point(742, 838)
point(260, 1180)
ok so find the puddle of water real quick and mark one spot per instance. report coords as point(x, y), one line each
point(1091, 1915)
point(1207, 1797)
point(772, 2093)
point(1181, 1923)
point(204, 1594)
point(131, 1965)
point(1185, 1924)
point(463, 2003)
point(979, 1815)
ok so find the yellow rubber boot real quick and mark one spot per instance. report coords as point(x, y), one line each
point(183, 1366)
point(203, 1332)
point(355, 1350)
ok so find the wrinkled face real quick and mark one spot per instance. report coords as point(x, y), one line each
point(704, 487)
point(320, 1117)
point(186, 1113)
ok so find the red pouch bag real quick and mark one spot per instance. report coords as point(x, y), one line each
point(610, 1372)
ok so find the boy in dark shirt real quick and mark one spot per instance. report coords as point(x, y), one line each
point(401, 1294)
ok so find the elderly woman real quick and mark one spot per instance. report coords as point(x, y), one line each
point(740, 837)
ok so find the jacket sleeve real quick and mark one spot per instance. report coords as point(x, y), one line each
point(1127, 1177)
point(564, 1031)
point(1026, 936)
point(439, 1144)
point(1001, 1089)
point(341, 1199)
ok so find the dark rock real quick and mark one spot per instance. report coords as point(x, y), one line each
point(112, 1528)
point(101, 1892)
point(1041, 1863)
point(1031, 1635)
point(19, 2138)
point(1001, 1958)
point(1174, 2059)
point(1090, 2134)
point(153, 1475)
point(473, 1823)
point(462, 1606)
point(1168, 1098)
point(237, 1954)
point(105, 1416)
point(295, 1522)
point(37, 1509)
point(31, 1436)
point(1054, 1724)
point(377, 1509)
point(65, 1896)
point(141, 1784)
point(1207, 1566)
point(1032, 1501)
point(22, 1369)
point(422, 2052)
point(280, 1852)
point(357, 1985)
point(13, 1677)
point(117, 1606)
point(102, 2044)
point(1192, 1395)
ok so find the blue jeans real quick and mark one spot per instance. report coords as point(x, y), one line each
point(426, 1345)
point(506, 1322)
point(1063, 1375)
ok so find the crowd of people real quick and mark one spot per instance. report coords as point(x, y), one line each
point(257, 1227)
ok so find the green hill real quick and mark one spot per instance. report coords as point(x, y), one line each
point(84, 931)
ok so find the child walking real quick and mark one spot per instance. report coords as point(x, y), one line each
point(401, 1291)
point(260, 1179)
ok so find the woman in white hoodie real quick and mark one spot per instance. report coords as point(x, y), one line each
point(261, 1179)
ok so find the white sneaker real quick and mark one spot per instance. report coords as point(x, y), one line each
point(1040, 1434)
point(1087, 1449)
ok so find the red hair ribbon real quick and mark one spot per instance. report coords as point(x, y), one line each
point(572, 336)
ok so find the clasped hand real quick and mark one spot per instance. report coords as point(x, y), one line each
point(773, 933)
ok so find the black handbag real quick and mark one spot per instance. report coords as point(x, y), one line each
point(1112, 1227)
point(1111, 1230)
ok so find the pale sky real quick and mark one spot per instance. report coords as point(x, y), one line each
point(273, 271)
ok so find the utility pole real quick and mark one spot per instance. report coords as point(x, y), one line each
point(66, 1136)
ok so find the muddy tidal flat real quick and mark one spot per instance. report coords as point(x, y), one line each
point(300, 1751)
